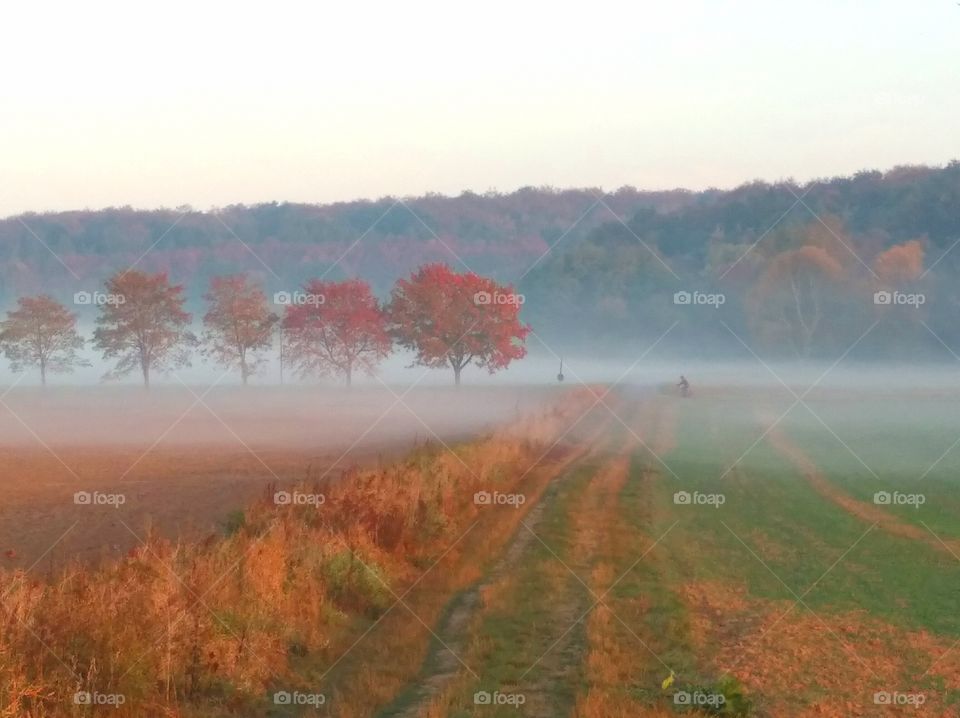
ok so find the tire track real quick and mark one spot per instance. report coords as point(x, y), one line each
point(868, 513)
point(443, 663)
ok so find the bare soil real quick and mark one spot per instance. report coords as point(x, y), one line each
point(183, 460)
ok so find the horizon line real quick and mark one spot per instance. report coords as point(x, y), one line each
point(492, 192)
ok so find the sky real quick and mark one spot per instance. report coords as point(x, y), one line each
point(215, 103)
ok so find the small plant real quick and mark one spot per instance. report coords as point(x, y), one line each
point(355, 584)
point(737, 703)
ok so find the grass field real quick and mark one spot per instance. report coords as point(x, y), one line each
point(728, 554)
point(789, 591)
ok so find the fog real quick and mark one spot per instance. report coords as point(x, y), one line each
point(300, 417)
point(637, 364)
point(198, 446)
point(184, 457)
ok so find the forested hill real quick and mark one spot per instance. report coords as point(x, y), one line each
point(590, 263)
point(286, 243)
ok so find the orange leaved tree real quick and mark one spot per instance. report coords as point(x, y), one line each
point(41, 332)
point(238, 323)
point(451, 319)
point(143, 324)
point(900, 264)
point(335, 328)
point(792, 292)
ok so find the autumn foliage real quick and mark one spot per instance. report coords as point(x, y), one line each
point(791, 294)
point(238, 324)
point(900, 264)
point(338, 329)
point(143, 324)
point(41, 332)
point(451, 319)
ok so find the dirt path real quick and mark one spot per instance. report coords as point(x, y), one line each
point(623, 671)
point(444, 663)
point(592, 516)
point(578, 635)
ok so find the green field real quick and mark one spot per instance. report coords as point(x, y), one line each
point(796, 595)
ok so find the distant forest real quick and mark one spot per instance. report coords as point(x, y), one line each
point(799, 266)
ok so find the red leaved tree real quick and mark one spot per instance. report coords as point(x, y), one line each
point(451, 319)
point(41, 332)
point(335, 328)
point(238, 324)
point(143, 325)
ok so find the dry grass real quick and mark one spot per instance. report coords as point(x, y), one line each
point(615, 659)
point(846, 655)
point(210, 628)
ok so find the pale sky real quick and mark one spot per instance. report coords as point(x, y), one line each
point(213, 103)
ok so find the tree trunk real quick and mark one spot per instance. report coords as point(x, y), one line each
point(281, 356)
point(348, 376)
point(146, 375)
point(43, 374)
point(456, 374)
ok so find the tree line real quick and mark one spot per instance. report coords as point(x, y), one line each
point(323, 329)
point(806, 290)
point(496, 234)
point(797, 264)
